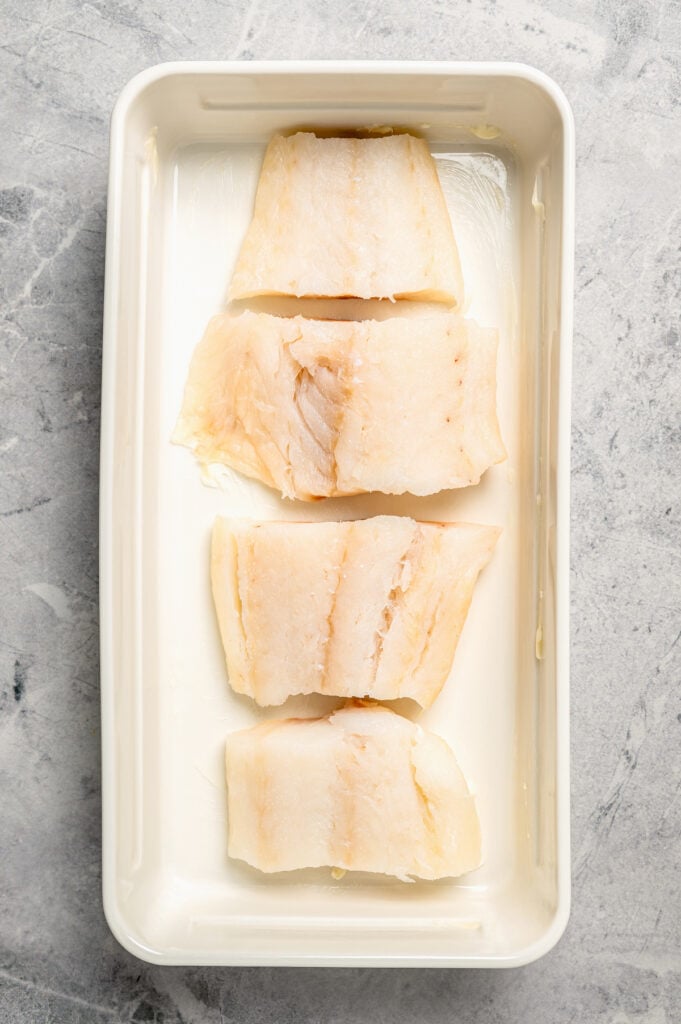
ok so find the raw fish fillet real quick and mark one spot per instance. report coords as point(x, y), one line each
point(321, 408)
point(372, 608)
point(362, 789)
point(349, 217)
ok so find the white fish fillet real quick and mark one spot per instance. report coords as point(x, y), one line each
point(362, 789)
point(320, 408)
point(372, 608)
point(349, 217)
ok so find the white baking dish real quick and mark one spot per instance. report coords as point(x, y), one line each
point(186, 142)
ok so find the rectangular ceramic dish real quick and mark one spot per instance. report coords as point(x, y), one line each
point(186, 145)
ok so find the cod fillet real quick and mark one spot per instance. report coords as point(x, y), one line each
point(362, 789)
point(363, 218)
point(318, 408)
point(372, 608)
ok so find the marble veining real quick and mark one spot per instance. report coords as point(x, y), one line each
point(62, 64)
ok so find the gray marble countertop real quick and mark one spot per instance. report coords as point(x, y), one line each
point(63, 63)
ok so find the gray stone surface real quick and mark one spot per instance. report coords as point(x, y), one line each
point(62, 64)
